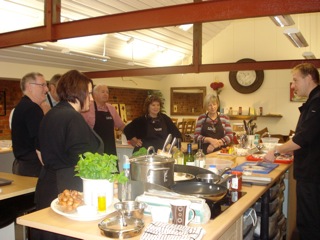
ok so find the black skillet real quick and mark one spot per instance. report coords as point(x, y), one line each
point(211, 191)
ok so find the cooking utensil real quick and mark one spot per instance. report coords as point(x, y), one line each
point(181, 176)
point(168, 140)
point(113, 227)
point(174, 141)
point(131, 208)
point(155, 169)
point(213, 192)
point(212, 177)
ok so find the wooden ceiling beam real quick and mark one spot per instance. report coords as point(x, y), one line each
point(219, 67)
point(207, 11)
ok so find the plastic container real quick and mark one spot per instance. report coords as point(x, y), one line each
point(214, 169)
point(221, 164)
point(269, 142)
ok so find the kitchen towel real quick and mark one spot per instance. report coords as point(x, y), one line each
point(166, 231)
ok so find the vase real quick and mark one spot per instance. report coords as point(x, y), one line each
point(95, 188)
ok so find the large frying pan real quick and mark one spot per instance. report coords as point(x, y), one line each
point(211, 191)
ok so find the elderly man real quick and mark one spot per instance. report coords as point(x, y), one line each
point(25, 125)
point(104, 118)
point(305, 145)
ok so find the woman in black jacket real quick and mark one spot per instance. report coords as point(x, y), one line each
point(152, 128)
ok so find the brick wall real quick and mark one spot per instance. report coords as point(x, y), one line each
point(132, 98)
point(13, 95)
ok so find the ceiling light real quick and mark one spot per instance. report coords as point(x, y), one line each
point(186, 27)
point(282, 20)
point(308, 55)
point(295, 36)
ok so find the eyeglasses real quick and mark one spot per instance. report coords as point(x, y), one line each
point(39, 84)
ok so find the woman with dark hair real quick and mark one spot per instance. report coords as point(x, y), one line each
point(152, 128)
point(63, 136)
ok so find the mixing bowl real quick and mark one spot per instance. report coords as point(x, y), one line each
point(131, 208)
point(269, 142)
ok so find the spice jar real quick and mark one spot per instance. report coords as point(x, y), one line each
point(236, 181)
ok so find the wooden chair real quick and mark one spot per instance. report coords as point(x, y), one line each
point(189, 127)
point(180, 126)
point(175, 121)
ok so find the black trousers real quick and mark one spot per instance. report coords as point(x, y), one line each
point(308, 210)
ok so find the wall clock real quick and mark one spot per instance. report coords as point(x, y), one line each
point(246, 81)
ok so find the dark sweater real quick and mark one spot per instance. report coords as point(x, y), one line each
point(139, 128)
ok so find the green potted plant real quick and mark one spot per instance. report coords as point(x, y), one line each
point(99, 173)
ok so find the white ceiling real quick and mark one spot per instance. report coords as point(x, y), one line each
point(89, 53)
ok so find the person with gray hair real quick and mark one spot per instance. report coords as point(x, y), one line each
point(26, 120)
point(104, 118)
point(52, 97)
point(213, 128)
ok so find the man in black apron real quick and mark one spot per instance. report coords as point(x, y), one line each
point(104, 118)
point(104, 127)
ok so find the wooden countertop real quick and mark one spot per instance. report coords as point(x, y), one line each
point(5, 150)
point(47, 219)
point(20, 185)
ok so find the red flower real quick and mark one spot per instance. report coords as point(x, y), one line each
point(216, 85)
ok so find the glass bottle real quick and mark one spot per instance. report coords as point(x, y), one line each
point(188, 157)
point(178, 154)
point(199, 157)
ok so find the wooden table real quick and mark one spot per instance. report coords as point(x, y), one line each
point(20, 185)
point(226, 224)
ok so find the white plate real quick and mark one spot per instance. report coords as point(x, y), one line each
point(78, 217)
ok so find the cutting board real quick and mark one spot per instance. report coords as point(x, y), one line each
point(263, 168)
point(287, 159)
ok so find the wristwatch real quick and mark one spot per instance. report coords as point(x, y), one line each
point(276, 153)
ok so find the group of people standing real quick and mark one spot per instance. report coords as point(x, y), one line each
point(48, 135)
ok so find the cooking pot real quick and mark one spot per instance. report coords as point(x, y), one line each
point(156, 169)
point(211, 191)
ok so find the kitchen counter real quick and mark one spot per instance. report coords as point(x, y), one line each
point(229, 223)
point(20, 185)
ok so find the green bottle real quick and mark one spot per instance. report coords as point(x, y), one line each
point(188, 157)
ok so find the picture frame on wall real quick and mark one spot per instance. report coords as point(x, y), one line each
point(123, 112)
point(3, 109)
point(294, 97)
point(116, 106)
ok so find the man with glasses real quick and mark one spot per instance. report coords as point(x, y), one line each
point(25, 124)
point(52, 96)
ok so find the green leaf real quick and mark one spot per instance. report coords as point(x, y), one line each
point(97, 166)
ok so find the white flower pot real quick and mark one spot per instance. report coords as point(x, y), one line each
point(92, 188)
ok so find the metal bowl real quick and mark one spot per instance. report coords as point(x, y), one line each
point(131, 208)
point(209, 177)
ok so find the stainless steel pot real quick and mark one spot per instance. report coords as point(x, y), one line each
point(155, 169)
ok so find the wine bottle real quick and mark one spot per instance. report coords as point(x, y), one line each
point(188, 157)
point(199, 157)
point(178, 154)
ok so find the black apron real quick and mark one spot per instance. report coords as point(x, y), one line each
point(212, 129)
point(157, 133)
point(104, 127)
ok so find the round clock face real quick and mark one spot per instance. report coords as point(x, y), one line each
point(246, 81)
point(246, 78)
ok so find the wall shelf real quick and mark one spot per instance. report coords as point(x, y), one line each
point(247, 117)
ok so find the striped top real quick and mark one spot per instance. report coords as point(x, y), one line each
point(228, 134)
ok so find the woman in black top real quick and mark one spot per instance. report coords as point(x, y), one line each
point(152, 128)
point(63, 135)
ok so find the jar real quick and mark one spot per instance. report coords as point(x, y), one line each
point(240, 111)
point(236, 181)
